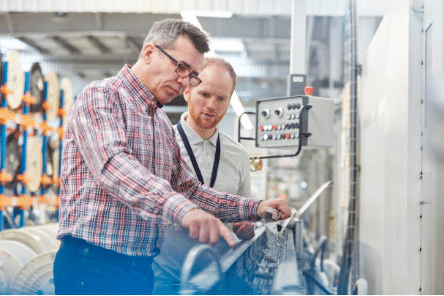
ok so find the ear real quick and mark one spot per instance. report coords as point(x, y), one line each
point(186, 94)
point(147, 52)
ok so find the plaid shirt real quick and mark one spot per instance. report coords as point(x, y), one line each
point(122, 174)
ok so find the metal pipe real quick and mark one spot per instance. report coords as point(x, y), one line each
point(298, 36)
point(298, 228)
point(287, 279)
point(350, 247)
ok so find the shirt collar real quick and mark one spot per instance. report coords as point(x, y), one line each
point(141, 94)
point(194, 137)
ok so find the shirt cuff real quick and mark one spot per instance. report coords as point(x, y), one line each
point(248, 208)
point(175, 207)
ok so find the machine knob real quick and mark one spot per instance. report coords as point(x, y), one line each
point(266, 113)
point(279, 112)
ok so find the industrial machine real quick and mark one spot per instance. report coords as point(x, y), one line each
point(279, 259)
point(276, 261)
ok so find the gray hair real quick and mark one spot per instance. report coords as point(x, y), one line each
point(224, 63)
point(165, 32)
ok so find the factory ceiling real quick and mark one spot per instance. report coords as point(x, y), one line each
point(92, 45)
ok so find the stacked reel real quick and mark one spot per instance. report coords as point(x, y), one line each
point(32, 116)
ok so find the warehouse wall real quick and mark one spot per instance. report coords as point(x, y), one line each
point(400, 226)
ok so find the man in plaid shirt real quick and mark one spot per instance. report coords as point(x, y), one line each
point(123, 177)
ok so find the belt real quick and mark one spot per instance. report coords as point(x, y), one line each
point(82, 248)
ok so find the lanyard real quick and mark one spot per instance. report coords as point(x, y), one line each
point(193, 158)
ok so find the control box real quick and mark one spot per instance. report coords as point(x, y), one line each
point(294, 121)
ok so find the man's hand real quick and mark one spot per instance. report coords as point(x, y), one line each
point(244, 230)
point(206, 228)
point(278, 204)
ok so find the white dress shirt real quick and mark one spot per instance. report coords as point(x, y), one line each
point(233, 175)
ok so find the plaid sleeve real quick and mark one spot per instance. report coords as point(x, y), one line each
point(99, 131)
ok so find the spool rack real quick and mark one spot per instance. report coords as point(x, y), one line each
point(23, 198)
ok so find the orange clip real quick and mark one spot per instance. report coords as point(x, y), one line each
point(7, 201)
point(43, 200)
point(60, 132)
point(45, 128)
point(14, 131)
point(56, 181)
point(46, 106)
point(5, 177)
point(5, 90)
point(62, 112)
point(45, 180)
point(26, 121)
point(23, 178)
point(56, 202)
point(5, 115)
point(24, 202)
point(28, 98)
point(308, 90)
point(2, 202)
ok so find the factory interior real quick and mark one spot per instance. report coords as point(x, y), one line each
point(339, 103)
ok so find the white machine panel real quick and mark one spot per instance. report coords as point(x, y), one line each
point(293, 121)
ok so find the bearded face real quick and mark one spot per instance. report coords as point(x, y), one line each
point(208, 102)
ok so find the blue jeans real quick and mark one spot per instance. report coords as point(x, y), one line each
point(81, 268)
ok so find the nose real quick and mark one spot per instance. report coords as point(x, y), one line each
point(183, 81)
point(211, 103)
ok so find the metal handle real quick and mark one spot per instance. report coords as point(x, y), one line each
point(192, 257)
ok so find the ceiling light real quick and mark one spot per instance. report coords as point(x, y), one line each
point(10, 43)
point(227, 44)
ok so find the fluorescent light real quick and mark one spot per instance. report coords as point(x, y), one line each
point(239, 110)
point(11, 43)
point(227, 44)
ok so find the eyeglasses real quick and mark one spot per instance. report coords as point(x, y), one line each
point(183, 70)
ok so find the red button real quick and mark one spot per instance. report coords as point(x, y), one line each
point(261, 128)
point(308, 90)
point(274, 126)
point(287, 135)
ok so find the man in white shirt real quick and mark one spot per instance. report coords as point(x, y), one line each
point(218, 161)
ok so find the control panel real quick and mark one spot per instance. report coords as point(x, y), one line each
point(293, 121)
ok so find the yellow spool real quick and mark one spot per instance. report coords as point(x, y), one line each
point(34, 164)
point(15, 80)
